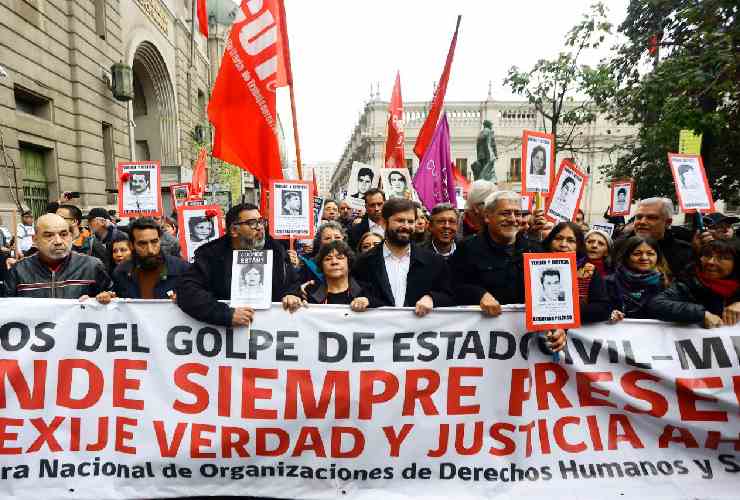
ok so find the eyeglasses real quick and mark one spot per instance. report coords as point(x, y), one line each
point(252, 223)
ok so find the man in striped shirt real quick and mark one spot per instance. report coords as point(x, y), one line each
point(55, 271)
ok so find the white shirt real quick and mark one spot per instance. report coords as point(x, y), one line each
point(25, 237)
point(441, 254)
point(376, 228)
point(397, 269)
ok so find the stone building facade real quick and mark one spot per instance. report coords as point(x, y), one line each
point(509, 118)
point(62, 128)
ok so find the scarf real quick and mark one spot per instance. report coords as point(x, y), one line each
point(635, 288)
point(599, 265)
point(725, 288)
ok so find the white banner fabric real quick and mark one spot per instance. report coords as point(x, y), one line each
point(137, 400)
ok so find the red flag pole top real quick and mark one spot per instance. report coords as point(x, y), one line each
point(243, 107)
point(427, 130)
point(394, 155)
point(203, 18)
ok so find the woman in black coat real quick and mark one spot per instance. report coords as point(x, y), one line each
point(639, 276)
point(710, 296)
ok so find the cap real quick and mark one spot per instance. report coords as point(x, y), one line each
point(717, 218)
point(98, 212)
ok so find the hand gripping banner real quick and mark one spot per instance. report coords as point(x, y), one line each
point(107, 402)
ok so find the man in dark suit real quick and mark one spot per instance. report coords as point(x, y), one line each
point(402, 274)
point(372, 221)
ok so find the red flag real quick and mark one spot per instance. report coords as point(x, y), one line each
point(314, 186)
point(202, 17)
point(394, 156)
point(200, 175)
point(242, 108)
point(460, 179)
point(430, 125)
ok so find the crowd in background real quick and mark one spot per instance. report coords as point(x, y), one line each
point(392, 253)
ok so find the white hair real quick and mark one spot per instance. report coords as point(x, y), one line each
point(494, 198)
point(666, 205)
point(479, 191)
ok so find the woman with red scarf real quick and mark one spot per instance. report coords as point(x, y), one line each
point(711, 297)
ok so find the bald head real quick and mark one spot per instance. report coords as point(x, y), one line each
point(53, 237)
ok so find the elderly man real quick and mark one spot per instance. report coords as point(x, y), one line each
point(443, 224)
point(209, 278)
point(473, 218)
point(488, 269)
point(55, 271)
point(653, 219)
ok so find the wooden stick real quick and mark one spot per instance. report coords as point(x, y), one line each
point(295, 133)
point(14, 232)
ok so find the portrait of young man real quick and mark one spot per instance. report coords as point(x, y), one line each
point(292, 203)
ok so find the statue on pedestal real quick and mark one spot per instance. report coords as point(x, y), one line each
point(484, 166)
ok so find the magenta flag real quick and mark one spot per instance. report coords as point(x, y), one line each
point(434, 181)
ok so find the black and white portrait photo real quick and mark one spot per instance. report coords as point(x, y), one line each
point(139, 189)
point(568, 191)
point(690, 179)
point(198, 226)
point(291, 210)
point(362, 178)
point(292, 203)
point(551, 290)
point(621, 194)
point(396, 182)
point(537, 162)
point(251, 278)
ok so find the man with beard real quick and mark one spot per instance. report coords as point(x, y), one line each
point(400, 273)
point(55, 271)
point(488, 268)
point(149, 274)
point(209, 278)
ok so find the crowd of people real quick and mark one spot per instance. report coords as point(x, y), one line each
point(393, 253)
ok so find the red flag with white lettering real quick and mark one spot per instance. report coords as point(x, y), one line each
point(242, 108)
point(202, 18)
point(394, 156)
point(430, 125)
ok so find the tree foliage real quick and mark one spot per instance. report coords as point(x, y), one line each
point(552, 85)
point(690, 80)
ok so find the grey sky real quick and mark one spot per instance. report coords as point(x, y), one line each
point(340, 47)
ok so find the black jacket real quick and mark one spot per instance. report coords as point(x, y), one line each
point(356, 231)
point(597, 307)
point(126, 285)
point(428, 275)
point(316, 293)
point(208, 280)
point(77, 275)
point(677, 252)
point(686, 301)
point(93, 248)
point(636, 309)
point(479, 265)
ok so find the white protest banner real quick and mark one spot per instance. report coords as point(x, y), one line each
point(137, 400)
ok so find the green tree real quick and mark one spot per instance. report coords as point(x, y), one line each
point(678, 68)
point(556, 87)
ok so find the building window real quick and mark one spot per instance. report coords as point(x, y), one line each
point(31, 103)
point(462, 166)
point(100, 14)
point(201, 105)
point(35, 184)
point(515, 170)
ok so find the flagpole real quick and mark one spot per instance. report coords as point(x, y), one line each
point(192, 33)
point(295, 132)
point(289, 73)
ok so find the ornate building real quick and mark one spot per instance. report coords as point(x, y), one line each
point(509, 118)
point(63, 129)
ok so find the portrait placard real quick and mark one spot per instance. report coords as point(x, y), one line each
point(538, 161)
point(566, 198)
point(607, 227)
point(194, 202)
point(318, 210)
point(551, 291)
point(527, 203)
point(621, 197)
point(139, 193)
point(251, 279)
point(180, 194)
point(198, 225)
point(692, 187)
point(291, 210)
point(362, 178)
point(396, 182)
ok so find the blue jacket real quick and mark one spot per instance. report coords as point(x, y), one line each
point(126, 285)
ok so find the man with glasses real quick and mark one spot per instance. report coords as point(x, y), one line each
point(209, 278)
point(443, 230)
